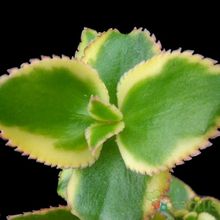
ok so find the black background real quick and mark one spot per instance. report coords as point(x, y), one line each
point(25, 184)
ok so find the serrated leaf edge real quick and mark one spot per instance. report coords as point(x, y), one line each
point(13, 72)
point(124, 85)
point(40, 212)
point(94, 46)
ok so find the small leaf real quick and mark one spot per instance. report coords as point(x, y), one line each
point(108, 190)
point(207, 204)
point(44, 113)
point(191, 216)
point(206, 216)
point(171, 107)
point(60, 213)
point(180, 193)
point(64, 178)
point(98, 133)
point(87, 36)
point(102, 111)
point(113, 53)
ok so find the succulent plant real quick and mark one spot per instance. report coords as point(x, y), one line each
point(116, 118)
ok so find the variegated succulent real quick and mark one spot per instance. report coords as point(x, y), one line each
point(115, 118)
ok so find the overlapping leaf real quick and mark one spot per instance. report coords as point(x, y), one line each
point(170, 106)
point(60, 213)
point(44, 113)
point(108, 190)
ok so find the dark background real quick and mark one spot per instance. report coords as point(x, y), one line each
point(25, 184)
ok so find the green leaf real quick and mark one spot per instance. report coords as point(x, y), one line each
point(64, 178)
point(108, 190)
point(171, 107)
point(113, 53)
point(180, 193)
point(207, 204)
point(44, 113)
point(102, 111)
point(191, 216)
point(60, 213)
point(98, 133)
point(206, 216)
point(87, 36)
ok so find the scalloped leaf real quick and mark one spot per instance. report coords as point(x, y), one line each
point(97, 133)
point(180, 193)
point(102, 111)
point(113, 53)
point(60, 213)
point(87, 36)
point(44, 113)
point(108, 190)
point(171, 107)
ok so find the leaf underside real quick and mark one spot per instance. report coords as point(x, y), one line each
point(113, 53)
point(60, 213)
point(44, 110)
point(108, 190)
point(170, 106)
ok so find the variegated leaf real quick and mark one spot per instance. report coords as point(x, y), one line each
point(87, 36)
point(113, 53)
point(171, 107)
point(44, 113)
point(60, 213)
point(108, 190)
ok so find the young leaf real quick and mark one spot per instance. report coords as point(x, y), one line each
point(60, 213)
point(44, 113)
point(171, 107)
point(64, 177)
point(87, 36)
point(97, 133)
point(206, 205)
point(180, 193)
point(108, 190)
point(103, 112)
point(191, 216)
point(206, 216)
point(113, 53)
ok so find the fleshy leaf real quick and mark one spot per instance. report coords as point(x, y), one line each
point(171, 107)
point(113, 53)
point(87, 36)
point(44, 113)
point(60, 213)
point(207, 204)
point(97, 133)
point(102, 111)
point(108, 190)
point(206, 216)
point(64, 177)
point(180, 193)
point(191, 216)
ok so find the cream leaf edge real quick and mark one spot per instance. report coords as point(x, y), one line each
point(151, 68)
point(6, 132)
